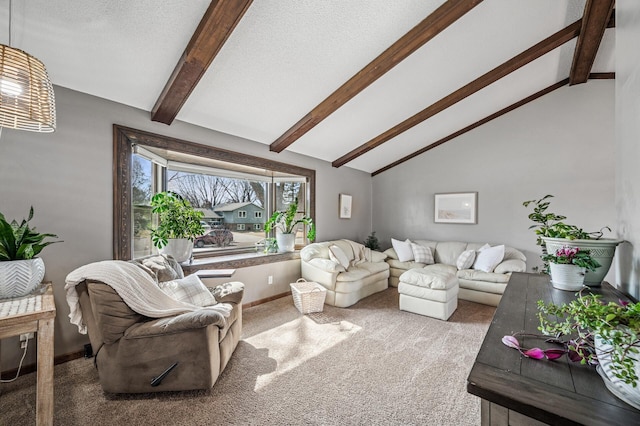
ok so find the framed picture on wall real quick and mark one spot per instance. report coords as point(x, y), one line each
point(458, 207)
point(345, 206)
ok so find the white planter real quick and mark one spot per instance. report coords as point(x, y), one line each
point(601, 250)
point(567, 277)
point(616, 386)
point(286, 242)
point(179, 248)
point(20, 277)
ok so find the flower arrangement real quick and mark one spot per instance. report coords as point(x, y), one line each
point(572, 256)
point(580, 321)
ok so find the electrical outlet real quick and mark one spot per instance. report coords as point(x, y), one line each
point(26, 336)
point(270, 281)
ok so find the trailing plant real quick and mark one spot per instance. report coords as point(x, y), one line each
point(20, 242)
point(176, 217)
point(579, 322)
point(572, 256)
point(286, 221)
point(372, 242)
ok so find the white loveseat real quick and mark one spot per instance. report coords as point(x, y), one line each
point(474, 285)
point(349, 272)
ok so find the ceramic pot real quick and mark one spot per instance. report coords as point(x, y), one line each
point(20, 277)
point(567, 277)
point(624, 391)
point(179, 248)
point(286, 242)
point(601, 250)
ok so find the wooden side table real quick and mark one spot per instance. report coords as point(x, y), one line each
point(35, 314)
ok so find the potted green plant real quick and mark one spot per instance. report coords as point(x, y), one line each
point(568, 266)
point(591, 331)
point(286, 222)
point(553, 234)
point(178, 224)
point(372, 242)
point(20, 270)
point(609, 335)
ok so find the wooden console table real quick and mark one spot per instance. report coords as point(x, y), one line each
point(35, 314)
point(516, 390)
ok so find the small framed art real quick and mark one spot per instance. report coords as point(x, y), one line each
point(458, 207)
point(345, 206)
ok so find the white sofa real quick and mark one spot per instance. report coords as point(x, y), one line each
point(360, 273)
point(474, 285)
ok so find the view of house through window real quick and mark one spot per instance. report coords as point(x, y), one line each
point(235, 201)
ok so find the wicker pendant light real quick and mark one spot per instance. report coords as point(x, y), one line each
point(27, 101)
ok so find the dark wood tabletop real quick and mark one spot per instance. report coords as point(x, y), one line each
point(557, 392)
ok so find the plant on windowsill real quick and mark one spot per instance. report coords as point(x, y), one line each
point(553, 234)
point(20, 270)
point(597, 333)
point(178, 224)
point(286, 222)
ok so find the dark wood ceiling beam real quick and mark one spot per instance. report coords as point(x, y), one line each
point(529, 55)
point(596, 18)
point(214, 29)
point(426, 30)
point(474, 125)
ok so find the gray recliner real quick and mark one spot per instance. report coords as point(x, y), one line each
point(132, 351)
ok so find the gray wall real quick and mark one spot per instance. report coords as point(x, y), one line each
point(560, 144)
point(67, 177)
point(627, 145)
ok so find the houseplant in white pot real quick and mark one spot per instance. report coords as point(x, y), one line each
point(285, 223)
point(553, 234)
point(612, 329)
point(20, 270)
point(178, 224)
point(568, 266)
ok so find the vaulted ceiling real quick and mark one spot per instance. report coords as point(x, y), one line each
point(365, 84)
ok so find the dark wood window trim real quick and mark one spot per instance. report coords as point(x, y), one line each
point(123, 140)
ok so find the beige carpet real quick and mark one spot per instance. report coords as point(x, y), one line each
point(368, 364)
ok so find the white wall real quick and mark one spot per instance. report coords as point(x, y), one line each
point(67, 177)
point(627, 142)
point(560, 144)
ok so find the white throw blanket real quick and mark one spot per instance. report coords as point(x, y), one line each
point(136, 288)
point(360, 253)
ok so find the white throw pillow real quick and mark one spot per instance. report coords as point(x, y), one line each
point(403, 249)
point(422, 254)
point(189, 290)
point(489, 258)
point(338, 255)
point(465, 260)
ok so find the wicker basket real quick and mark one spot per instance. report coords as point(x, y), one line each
point(308, 296)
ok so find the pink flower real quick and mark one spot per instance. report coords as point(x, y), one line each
point(535, 353)
point(511, 341)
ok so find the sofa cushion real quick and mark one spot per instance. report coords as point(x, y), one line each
point(434, 279)
point(428, 293)
point(511, 265)
point(403, 249)
point(422, 254)
point(449, 251)
point(488, 258)
point(164, 267)
point(338, 255)
point(355, 273)
point(466, 259)
point(326, 265)
point(189, 290)
point(475, 275)
point(441, 268)
point(394, 263)
point(374, 267)
point(482, 286)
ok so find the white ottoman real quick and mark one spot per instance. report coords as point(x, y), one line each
point(430, 293)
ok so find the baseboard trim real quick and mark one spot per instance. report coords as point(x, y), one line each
point(265, 300)
point(30, 368)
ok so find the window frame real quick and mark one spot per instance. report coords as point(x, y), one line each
point(124, 138)
point(242, 214)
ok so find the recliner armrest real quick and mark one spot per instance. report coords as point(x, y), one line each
point(231, 292)
point(510, 265)
point(176, 324)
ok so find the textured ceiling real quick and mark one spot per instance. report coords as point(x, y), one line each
point(286, 56)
